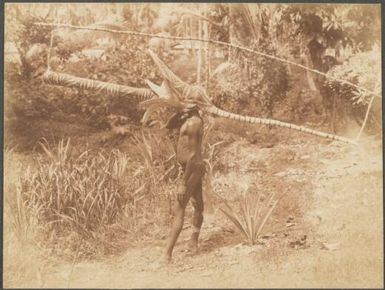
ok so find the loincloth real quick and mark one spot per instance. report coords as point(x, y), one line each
point(195, 171)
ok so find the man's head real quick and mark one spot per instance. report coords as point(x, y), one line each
point(177, 119)
point(190, 109)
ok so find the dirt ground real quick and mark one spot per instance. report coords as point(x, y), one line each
point(326, 232)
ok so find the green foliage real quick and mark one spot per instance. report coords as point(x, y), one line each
point(124, 62)
point(79, 193)
point(275, 82)
point(96, 199)
point(333, 35)
point(219, 13)
point(354, 24)
point(363, 69)
point(22, 221)
point(20, 28)
point(127, 63)
point(255, 88)
point(33, 98)
point(251, 86)
point(31, 42)
point(30, 98)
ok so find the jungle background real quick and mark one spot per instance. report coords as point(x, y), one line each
point(88, 190)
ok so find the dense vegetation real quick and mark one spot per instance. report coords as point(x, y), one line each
point(327, 38)
point(95, 198)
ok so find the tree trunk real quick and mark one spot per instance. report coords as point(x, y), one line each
point(207, 49)
point(26, 69)
point(192, 36)
point(186, 33)
point(309, 76)
point(199, 65)
point(229, 59)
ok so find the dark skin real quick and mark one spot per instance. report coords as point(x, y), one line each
point(189, 156)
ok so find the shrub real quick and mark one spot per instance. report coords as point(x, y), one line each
point(254, 88)
point(362, 69)
point(252, 214)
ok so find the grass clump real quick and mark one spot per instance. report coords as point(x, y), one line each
point(20, 227)
point(96, 202)
point(80, 193)
point(77, 195)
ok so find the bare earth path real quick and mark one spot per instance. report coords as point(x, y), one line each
point(341, 191)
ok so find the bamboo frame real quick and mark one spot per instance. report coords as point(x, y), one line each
point(365, 119)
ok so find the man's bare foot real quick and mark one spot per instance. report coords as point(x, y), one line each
point(191, 247)
point(163, 261)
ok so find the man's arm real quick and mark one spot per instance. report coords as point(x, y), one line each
point(193, 128)
point(174, 122)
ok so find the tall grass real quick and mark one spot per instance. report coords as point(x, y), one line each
point(74, 197)
point(96, 200)
point(155, 172)
point(78, 204)
point(77, 193)
point(210, 160)
point(20, 220)
point(20, 227)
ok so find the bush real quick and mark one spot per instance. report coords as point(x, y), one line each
point(254, 89)
point(364, 70)
point(31, 98)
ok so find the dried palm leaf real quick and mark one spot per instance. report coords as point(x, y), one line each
point(166, 73)
point(62, 79)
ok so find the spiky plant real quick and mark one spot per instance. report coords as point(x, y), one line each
point(251, 216)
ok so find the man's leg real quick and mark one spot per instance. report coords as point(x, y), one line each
point(191, 184)
point(197, 221)
point(177, 225)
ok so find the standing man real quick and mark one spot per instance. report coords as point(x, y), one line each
point(189, 157)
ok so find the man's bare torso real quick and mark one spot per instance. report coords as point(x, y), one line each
point(190, 140)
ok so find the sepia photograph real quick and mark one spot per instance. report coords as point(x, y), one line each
point(192, 145)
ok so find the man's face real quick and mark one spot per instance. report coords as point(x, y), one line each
point(190, 112)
